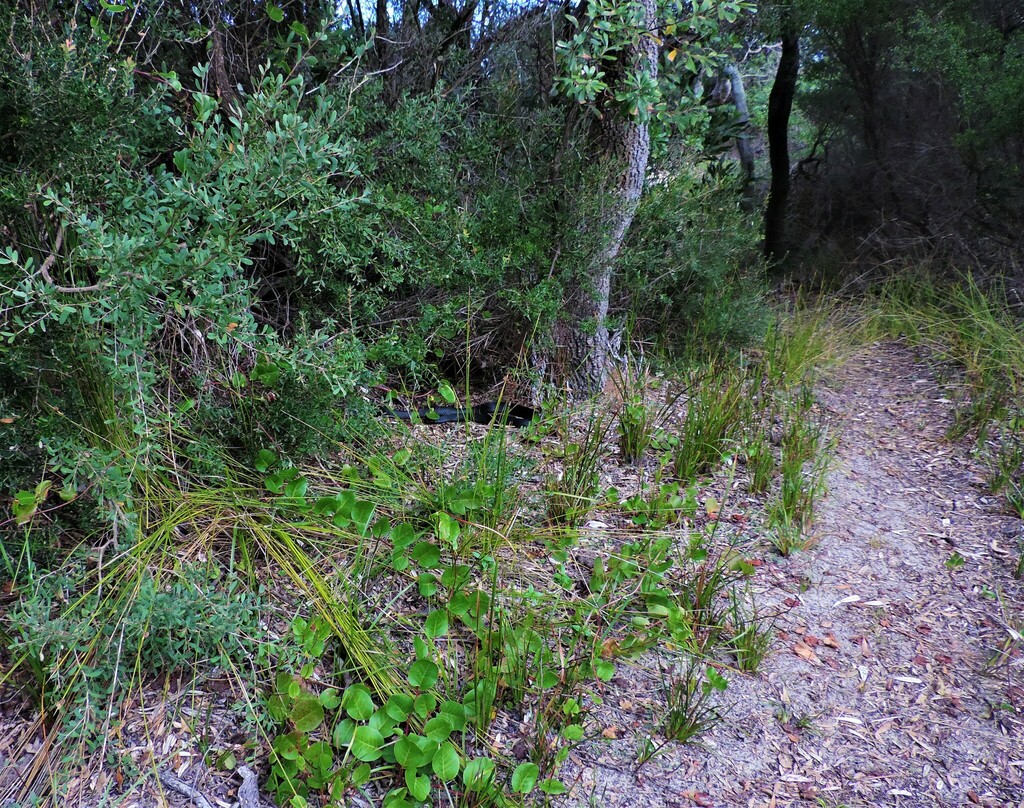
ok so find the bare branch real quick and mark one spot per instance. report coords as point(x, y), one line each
point(44, 270)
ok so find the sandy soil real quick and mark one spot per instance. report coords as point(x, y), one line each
point(886, 685)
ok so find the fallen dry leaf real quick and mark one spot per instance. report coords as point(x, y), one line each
point(804, 651)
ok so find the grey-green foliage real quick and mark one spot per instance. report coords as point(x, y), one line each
point(166, 254)
point(79, 653)
point(688, 277)
point(163, 266)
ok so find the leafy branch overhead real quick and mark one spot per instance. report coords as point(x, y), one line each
point(688, 32)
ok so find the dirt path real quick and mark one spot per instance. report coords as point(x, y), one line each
point(876, 692)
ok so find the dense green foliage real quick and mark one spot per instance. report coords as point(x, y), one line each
point(917, 127)
point(232, 232)
point(183, 274)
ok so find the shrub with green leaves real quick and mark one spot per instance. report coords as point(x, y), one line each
point(78, 655)
point(690, 279)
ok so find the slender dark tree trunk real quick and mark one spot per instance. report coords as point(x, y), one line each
point(780, 104)
point(622, 143)
point(383, 26)
point(355, 11)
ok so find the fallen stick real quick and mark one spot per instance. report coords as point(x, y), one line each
point(248, 792)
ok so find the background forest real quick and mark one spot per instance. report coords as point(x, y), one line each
point(233, 234)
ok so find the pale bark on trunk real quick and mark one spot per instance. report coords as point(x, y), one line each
point(739, 100)
point(623, 145)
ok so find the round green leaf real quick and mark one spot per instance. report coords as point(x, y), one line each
point(438, 728)
point(395, 798)
point(447, 393)
point(424, 704)
point(572, 732)
point(264, 460)
point(456, 712)
point(402, 536)
point(361, 775)
point(552, 786)
point(446, 763)
point(427, 584)
point(418, 784)
point(459, 604)
point(399, 706)
point(362, 513)
point(423, 674)
point(408, 753)
point(366, 744)
point(307, 713)
point(342, 735)
point(524, 778)
point(437, 624)
point(426, 554)
point(358, 702)
point(447, 528)
point(427, 746)
point(383, 723)
point(479, 604)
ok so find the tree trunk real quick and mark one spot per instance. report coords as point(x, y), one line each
point(381, 33)
point(222, 86)
point(621, 144)
point(780, 104)
point(739, 99)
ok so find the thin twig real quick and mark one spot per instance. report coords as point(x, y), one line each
point(44, 270)
point(175, 783)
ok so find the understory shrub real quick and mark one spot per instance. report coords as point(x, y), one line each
point(236, 279)
point(690, 276)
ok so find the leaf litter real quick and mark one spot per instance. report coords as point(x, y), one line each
point(880, 689)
